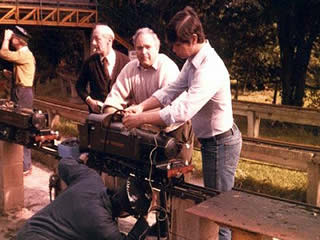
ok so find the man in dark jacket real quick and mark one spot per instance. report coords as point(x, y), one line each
point(101, 69)
point(86, 210)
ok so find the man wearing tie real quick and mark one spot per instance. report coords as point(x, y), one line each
point(101, 69)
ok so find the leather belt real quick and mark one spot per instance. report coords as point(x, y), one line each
point(20, 86)
point(217, 137)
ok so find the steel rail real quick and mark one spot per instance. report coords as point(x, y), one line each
point(184, 190)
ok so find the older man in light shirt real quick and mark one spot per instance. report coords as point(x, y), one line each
point(140, 78)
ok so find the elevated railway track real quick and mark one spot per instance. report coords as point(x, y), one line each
point(251, 216)
point(289, 155)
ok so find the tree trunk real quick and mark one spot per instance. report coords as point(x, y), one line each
point(296, 37)
point(286, 29)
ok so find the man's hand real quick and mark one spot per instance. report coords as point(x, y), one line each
point(151, 216)
point(134, 109)
point(132, 120)
point(95, 105)
point(84, 157)
point(109, 109)
point(8, 34)
point(7, 74)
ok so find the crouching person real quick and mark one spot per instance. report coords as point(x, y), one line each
point(86, 210)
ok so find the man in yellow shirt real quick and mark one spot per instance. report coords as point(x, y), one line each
point(24, 65)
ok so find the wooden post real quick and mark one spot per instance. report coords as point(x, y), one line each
point(313, 190)
point(11, 176)
point(253, 124)
point(187, 226)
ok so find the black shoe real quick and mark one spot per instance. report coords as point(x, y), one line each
point(154, 231)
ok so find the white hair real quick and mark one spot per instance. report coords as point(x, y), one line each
point(146, 30)
point(105, 30)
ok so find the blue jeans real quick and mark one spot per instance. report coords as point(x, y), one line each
point(219, 163)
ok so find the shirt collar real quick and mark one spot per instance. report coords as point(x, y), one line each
point(197, 59)
point(111, 57)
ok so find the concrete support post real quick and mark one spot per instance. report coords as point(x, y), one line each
point(11, 176)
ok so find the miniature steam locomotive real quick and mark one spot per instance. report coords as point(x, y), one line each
point(119, 151)
point(24, 126)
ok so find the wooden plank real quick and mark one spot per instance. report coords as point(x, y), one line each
point(277, 155)
point(291, 114)
point(265, 216)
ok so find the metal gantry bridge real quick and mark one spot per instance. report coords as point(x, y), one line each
point(57, 13)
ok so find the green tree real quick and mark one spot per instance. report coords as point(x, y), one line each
point(298, 27)
point(261, 41)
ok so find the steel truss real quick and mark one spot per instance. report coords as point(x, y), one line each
point(48, 13)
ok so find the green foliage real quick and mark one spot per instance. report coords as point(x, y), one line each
point(262, 178)
point(53, 48)
point(67, 128)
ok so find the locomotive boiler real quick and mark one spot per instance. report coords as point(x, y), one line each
point(24, 126)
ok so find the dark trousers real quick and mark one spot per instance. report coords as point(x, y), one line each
point(23, 97)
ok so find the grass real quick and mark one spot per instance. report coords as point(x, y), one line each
point(263, 178)
point(66, 128)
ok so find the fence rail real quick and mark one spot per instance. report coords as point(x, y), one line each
point(257, 111)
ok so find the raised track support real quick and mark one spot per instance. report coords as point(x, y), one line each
point(11, 177)
point(187, 226)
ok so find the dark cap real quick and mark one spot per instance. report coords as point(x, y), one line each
point(133, 197)
point(21, 33)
